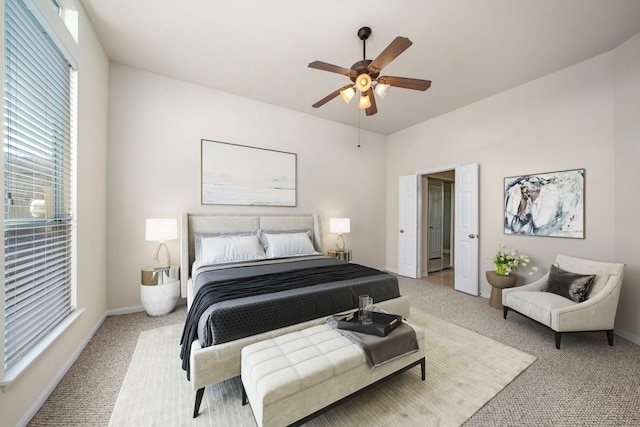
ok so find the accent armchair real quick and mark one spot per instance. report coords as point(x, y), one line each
point(588, 310)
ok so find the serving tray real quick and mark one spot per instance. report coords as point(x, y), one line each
point(383, 323)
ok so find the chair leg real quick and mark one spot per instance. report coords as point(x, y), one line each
point(199, 394)
point(610, 336)
point(557, 340)
point(505, 310)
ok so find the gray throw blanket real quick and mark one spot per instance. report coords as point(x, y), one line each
point(380, 350)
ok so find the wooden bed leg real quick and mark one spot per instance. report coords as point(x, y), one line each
point(423, 368)
point(558, 335)
point(199, 394)
point(505, 310)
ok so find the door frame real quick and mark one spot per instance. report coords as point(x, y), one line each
point(473, 276)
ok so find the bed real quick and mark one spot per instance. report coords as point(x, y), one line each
point(211, 350)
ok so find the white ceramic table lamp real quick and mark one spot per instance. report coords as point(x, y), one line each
point(340, 226)
point(160, 230)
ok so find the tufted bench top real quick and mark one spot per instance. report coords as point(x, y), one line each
point(283, 366)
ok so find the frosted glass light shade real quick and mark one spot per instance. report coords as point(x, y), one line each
point(347, 94)
point(364, 102)
point(381, 90)
point(363, 82)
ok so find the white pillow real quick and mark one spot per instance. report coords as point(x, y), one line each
point(221, 249)
point(197, 239)
point(288, 244)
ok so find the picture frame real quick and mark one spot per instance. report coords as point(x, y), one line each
point(233, 174)
point(545, 204)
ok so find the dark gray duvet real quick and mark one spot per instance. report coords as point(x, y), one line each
point(237, 302)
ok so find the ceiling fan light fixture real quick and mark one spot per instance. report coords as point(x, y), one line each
point(365, 75)
point(347, 94)
point(381, 90)
point(363, 82)
point(364, 102)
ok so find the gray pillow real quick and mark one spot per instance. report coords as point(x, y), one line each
point(569, 285)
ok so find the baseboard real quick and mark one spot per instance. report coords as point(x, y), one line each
point(137, 308)
point(125, 310)
point(627, 336)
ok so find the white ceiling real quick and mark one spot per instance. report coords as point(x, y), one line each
point(259, 49)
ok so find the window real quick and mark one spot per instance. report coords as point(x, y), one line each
point(38, 218)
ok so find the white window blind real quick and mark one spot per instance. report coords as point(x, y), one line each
point(37, 183)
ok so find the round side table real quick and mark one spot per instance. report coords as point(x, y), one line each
point(160, 289)
point(498, 283)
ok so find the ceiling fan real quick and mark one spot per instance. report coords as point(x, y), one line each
point(365, 75)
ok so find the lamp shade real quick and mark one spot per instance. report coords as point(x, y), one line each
point(340, 225)
point(381, 90)
point(161, 229)
point(363, 82)
point(347, 94)
point(364, 102)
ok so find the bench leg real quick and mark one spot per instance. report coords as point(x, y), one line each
point(245, 400)
point(304, 420)
point(199, 394)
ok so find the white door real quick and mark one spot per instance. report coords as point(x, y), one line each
point(434, 233)
point(466, 229)
point(408, 226)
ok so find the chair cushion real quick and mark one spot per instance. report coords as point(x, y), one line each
point(569, 285)
point(536, 305)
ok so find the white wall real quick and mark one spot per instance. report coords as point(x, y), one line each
point(562, 121)
point(626, 175)
point(155, 128)
point(23, 398)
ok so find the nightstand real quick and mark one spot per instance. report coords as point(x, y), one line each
point(343, 255)
point(160, 289)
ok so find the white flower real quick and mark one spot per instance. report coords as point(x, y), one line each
point(508, 260)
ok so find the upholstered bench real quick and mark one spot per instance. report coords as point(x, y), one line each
point(295, 377)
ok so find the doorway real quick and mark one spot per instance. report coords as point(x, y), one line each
point(410, 226)
point(437, 239)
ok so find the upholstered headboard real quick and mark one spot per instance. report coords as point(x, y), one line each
point(231, 223)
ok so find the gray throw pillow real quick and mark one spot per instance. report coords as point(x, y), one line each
point(569, 285)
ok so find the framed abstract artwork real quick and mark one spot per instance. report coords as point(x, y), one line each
point(240, 175)
point(545, 204)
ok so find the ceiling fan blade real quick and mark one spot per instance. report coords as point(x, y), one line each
point(404, 82)
point(373, 109)
point(319, 65)
point(330, 96)
point(391, 52)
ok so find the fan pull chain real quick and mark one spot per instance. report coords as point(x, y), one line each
point(359, 130)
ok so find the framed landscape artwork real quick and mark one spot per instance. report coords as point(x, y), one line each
point(240, 175)
point(545, 204)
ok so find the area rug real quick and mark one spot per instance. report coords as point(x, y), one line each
point(464, 371)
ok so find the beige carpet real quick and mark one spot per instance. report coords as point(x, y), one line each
point(464, 371)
